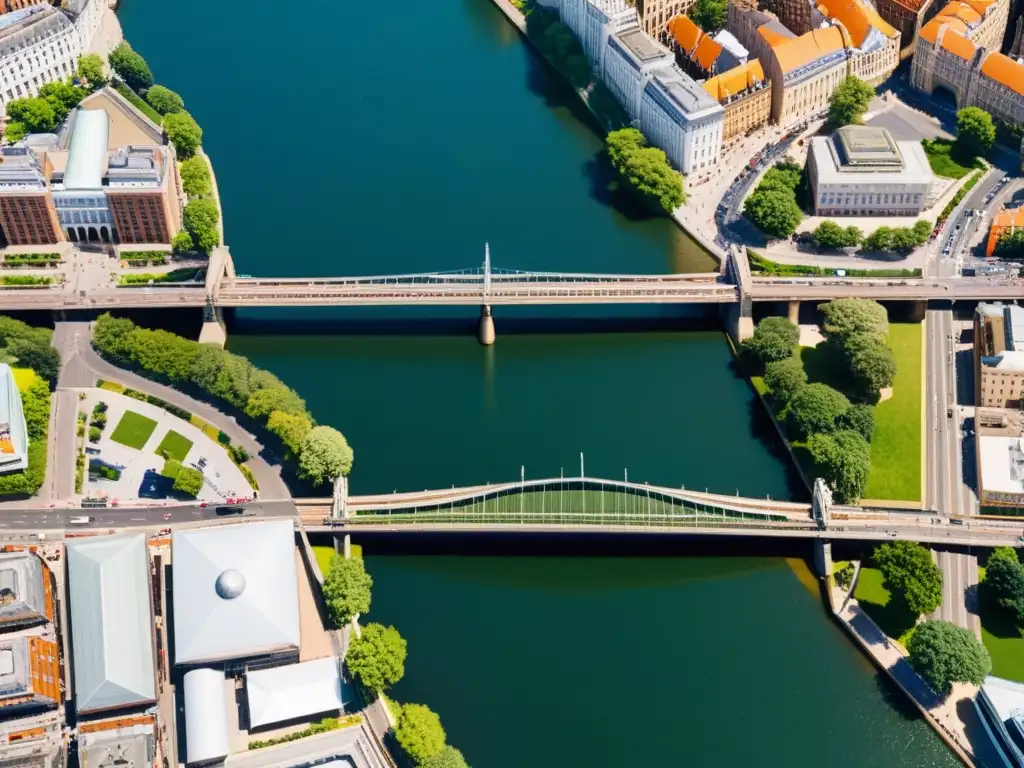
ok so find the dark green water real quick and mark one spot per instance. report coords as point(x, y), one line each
point(351, 138)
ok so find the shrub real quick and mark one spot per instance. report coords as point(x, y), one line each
point(94, 434)
point(164, 100)
point(419, 733)
point(249, 476)
point(238, 454)
point(99, 420)
point(189, 481)
point(184, 132)
point(784, 378)
point(774, 338)
point(814, 409)
point(131, 67)
point(844, 575)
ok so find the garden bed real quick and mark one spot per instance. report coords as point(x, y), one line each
point(133, 430)
point(764, 267)
point(185, 275)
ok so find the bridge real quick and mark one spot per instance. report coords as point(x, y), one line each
point(594, 505)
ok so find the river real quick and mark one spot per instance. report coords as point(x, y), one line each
point(354, 139)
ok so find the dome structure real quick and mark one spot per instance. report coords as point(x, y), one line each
point(230, 584)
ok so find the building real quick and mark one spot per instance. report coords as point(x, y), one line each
point(701, 53)
point(757, 31)
point(120, 743)
point(795, 15)
point(1000, 456)
point(26, 590)
point(631, 58)
point(206, 723)
point(235, 593)
point(805, 71)
point(999, 356)
point(27, 215)
point(861, 171)
point(1003, 222)
point(40, 44)
point(29, 676)
point(959, 50)
point(13, 431)
point(592, 21)
point(906, 17)
point(679, 116)
point(35, 747)
point(746, 95)
point(294, 691)
point(874, 44)
point(140, 195)
point(110, 606)
point(655, 16)
point(1000, 706)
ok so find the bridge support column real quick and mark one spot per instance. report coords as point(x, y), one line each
point(738, 324)
point(823, 558)
point(485, 333)
point(339, 507)
point(214, 330)
point(917, 311)
point(793, 312)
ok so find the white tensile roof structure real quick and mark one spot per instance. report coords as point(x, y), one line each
point(235, 591)
point(279, 694)
point(206, 716)
point(111, 622)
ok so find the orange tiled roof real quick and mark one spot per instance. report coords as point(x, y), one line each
point(961, 11)
point(958, 45)
point(857, 16)
point(1007, 219)
point(736, 80)
point(707, 51)
point(685, 33)
point(771, 36)
point(1010, 73)
point(808, 47)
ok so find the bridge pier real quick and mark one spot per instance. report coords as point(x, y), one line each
point(917, 311)
point(214, 329)
point(485, 333)
point(823, 558)
point(793, 312)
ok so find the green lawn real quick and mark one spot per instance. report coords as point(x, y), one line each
point(133, 430)
point(942, 162)
point(177, 446)
point(896, 447)
point(1002, 637)
point(891, 617)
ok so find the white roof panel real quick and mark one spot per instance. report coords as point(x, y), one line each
point(206, 716)
point(235, 591)
point(87, 154)
point(296, 690)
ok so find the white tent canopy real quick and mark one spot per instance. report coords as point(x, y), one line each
point(279, 694)
point(206, 716)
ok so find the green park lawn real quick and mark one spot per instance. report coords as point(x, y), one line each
point(891, 617)
point(942, 162)
point(133, 430)
point(176, 445)
point(896, 447)
point(1002, 637)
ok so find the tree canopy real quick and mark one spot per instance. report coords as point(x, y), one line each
point(195, 177)
point(815, 409)
point(774, 338)
point(449, 757)
point(131, 67)
point(871, 362)
point(347, 589)
point(200, 220)
point(1004, 581)
point(860, 419)
point(292, 429)
point(709, 15)
point(645, 170)
point(32, 115)
point(849, 101)
point(189, 481)
point(419, 733)
point(909, 570)
point(377, 657)
point(943, 654)
point(773, 212)
point(91, 70)
point(844, 460)
point(784, 378)
point(62, 97)
point(847, 316)
point(828, 234)
point(324, 456)
point(164, 100)
point(975, 132)
point(184, 132)
point(1010, 244)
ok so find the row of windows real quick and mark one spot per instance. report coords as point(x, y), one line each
point(834, 198)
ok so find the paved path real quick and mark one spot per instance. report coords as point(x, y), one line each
point(82, 366)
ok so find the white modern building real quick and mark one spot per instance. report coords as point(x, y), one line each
point(1000, 703)
point(79, 194)
point(593, 22)
point(862, 171)
point(293, 691)
point(631, 58)
point(680, 116)
point(41, 44)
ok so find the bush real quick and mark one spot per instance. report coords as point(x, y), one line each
point(134, 393)
point(94, 434)
point(164, 100)
point(419, 733)
point(131, 67)
point(238, 454)
point(775, 338)
point(844, 575)
point(249, 476)
point(815, 409)
point(182, 243)
point(184, 132)
point(99, 420)
point(784, 378)
point(189, 481)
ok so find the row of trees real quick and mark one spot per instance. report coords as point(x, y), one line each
point(645, 170)
point(322, 453)
point(829, 234)
point(45, 111)
point(376, 658)
point(772, 206)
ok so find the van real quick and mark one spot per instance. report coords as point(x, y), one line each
point(81, 520)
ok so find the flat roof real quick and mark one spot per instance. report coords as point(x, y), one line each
point(279, 694)
point(132, 746)
point(1002, 463)
point(87, 154)
point(111, 622)
point(236, 591)
point(23, 588)
point(206, 716)
point(828, 170)
point(640, 45)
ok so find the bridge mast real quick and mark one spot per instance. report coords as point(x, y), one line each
point(486, 330)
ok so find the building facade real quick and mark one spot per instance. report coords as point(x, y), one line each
point(861, 171)
point(140, 194)
point(874, 44)
point(745, 23)
point(593, 22)
point(40, 44)
point(998, 363)
point(795, 15)
point(746, 96)
point(27, 215)
point(804, 72)
point(906, 17)
point(631, 58)
point(1003, 222)
point(680, 117)
point(655, 15)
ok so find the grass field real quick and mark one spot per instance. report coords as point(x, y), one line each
point(24, 378)
point(133, 430)
point(177, 446)
point(941, 161)
point(891, 617)
point(896, 447)
point(1002, 637)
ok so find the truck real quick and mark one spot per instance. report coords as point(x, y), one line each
point(81, 520)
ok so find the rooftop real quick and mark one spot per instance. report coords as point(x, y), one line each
point(24, 589)
point(1004, 70)
point(736, 81)
point(857, 16)
point(865, 147)
point(13, 432)
point(958, 45)
point(640, 45)
point(133, 746)
point(685, 33)
point(681, 91)
point(1001, 459)
point(21, 170)
point(87, 155)
point(775, 33)
point(128, 125)
point(29, 671)
point(206, 719)
point(832, 166)
point(293, 691)
point(808, 48)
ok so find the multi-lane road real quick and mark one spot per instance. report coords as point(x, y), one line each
point(60, 516)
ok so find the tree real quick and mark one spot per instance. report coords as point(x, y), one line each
point(860, 419)
point(847, 316)
point(324, 456)
point(975, 132)
point(164, 100)
point(844, 460)
point(419, 733)
point(292, 429)
point(814, 409)
point(943, 654)
point(182, 243)
point(131, 67)
point(195, 177)
point(645, 170)
point(91, 70)
point(774, 338)
point(1004, 580)
point(189, 481)
point(377, 657)
point(775, 214)
point(828, 234)
point(347, 589)
point(41, 358)
point(709, 15)
point(200, 220)
point(449, 757)
point(263, 402)
point(784, 378)
point(35, 114)
point(880, 240)
point(62, 97)
point(922, 230)
point(909, 570)
point(871, 362)
point(1009, 246)
point(184, 132)
point(15, 131)
point(849, 101)
point(622, 143)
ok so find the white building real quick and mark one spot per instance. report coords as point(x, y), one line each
point(78, 192)
point(41, 44)
point(861, 171)
point(593, 22)
point(681, 118)
point(631, 58)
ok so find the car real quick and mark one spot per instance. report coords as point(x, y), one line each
point(954, 521)
point(231, 511)
point(81, 520)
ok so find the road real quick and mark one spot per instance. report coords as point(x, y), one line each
point(36, 518)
